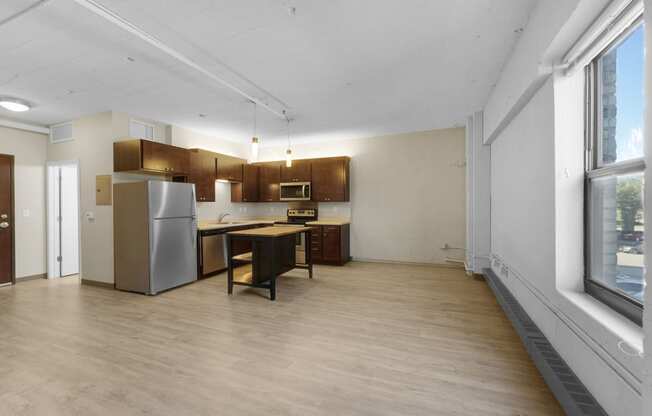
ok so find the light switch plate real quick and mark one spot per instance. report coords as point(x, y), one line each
point(26, 212)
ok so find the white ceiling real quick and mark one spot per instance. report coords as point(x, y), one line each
point(346, 68)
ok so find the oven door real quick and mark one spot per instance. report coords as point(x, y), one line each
point(295, 191)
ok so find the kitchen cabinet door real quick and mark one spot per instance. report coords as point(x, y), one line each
point(299, 172)
point(331, 248)
point(250, 183)
point(330, 179)
point(155, 156)
point(316, 243)
point(269, 178)
point(247, 190)
point(177, 159)
point(229, 168)
point(203, 174)
point(161, 157)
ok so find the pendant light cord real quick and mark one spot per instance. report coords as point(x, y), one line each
point(287, 120)
point(255, 119)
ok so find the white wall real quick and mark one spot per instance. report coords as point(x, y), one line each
point(29, 151)
point(407, 193)
point(553, 27)
point(536, 217)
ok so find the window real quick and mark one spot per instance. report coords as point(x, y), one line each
point(615, 175)
point(141, 130)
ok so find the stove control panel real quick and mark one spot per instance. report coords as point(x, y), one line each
point(308, 213)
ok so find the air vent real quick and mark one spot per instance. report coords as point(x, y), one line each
point(60, 133)
point(141, 130)
point(573, 396)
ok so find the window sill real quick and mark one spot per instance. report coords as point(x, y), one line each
point(607, 328)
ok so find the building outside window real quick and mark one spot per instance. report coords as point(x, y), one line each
point(615, 227)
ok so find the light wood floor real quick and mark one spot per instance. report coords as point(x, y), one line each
point(364, 339)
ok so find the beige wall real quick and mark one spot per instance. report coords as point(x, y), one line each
point(407, 193)
point(29, 151)
point(407, 199)
point(189, 139)
point(93, 148)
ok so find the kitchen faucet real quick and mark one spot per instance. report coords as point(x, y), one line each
point(222, 216)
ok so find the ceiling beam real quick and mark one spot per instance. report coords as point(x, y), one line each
point(4, 122)
point(258, 95)
point(23, 12)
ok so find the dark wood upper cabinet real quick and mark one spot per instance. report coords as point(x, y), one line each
point(330, 179)
point(299, 172)
point(151, 157)
point(229, 168)
point(203, 173)
point(269, 178)
point(247, 190)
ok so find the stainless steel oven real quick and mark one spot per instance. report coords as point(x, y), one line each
point(295, 191)
point(299, 217)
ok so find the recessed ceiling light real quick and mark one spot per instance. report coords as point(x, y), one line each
point(14, 104)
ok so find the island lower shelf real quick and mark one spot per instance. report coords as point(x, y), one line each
point(273, 253)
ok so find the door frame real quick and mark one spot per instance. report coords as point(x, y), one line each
point(54, 163)
point(13, 216)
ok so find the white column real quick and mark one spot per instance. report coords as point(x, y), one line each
point(478, 195)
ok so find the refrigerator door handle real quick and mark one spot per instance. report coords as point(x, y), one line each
point(193, 233)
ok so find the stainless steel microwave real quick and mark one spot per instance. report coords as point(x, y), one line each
point(295, 191)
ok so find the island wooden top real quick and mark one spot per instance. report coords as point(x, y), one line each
point(270, 231)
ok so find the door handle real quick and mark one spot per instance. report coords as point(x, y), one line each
point(4, 224)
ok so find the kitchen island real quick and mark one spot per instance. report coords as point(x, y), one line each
point(273, 252)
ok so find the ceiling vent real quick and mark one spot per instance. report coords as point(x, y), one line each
point(141, 130)
point(61, 133)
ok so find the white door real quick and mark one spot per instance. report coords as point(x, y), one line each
point(63, 219)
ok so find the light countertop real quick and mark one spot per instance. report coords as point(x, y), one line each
point(214, 225)
point(330, 221)
point(270, 231)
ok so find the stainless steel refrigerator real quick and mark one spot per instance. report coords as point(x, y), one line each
point(154, 235)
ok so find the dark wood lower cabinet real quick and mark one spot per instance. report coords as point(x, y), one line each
point(331, 244)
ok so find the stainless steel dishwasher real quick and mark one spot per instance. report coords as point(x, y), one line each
point(213, 252)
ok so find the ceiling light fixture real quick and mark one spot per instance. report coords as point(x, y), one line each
point(254, 139)
point(14, 104)
point(288, 152)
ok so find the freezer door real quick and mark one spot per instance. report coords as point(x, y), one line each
point(171, 199)
point(173, 253)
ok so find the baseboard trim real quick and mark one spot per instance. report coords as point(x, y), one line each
point(32, 277)
point(568, 389)
point(96, 283)
point(409, 263)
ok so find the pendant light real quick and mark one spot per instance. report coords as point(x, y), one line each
point(288, 152)
point(254, 139)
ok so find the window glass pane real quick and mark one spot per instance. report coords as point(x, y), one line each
point(617, 233)
point(622, 100)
